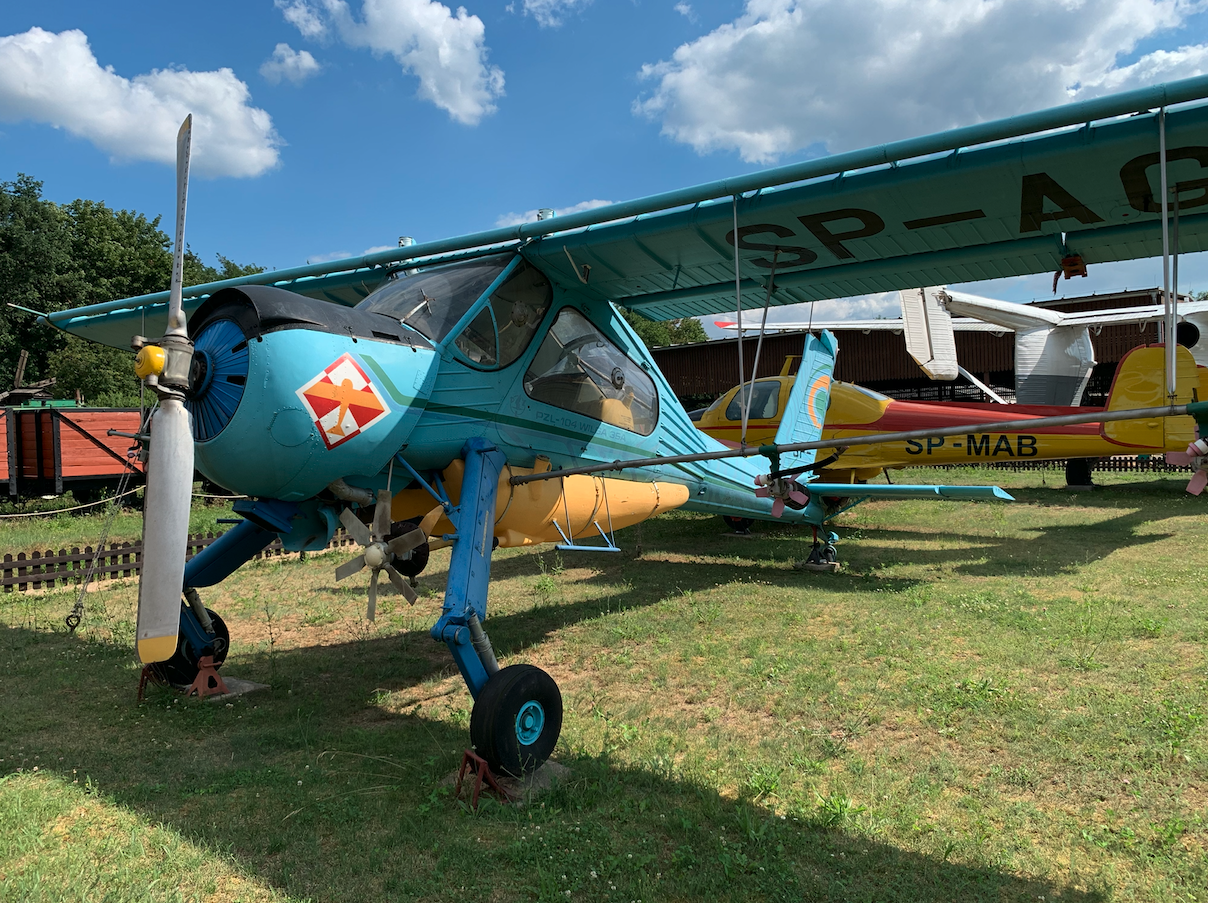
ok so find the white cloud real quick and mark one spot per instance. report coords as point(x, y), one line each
point(549, 13)
point(529, 216)
point(445, 51)
point(56, 79)
point(685, 10)
point(295, 65)
point(299, 14)
point(790, 74)
point(861, 307)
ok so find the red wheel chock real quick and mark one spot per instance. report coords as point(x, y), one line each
point(482, 774)
point(208, 681)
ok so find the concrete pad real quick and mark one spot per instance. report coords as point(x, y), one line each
point(236, 686)
point(521, 790)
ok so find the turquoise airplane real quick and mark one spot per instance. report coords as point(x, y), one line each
point(454, 392)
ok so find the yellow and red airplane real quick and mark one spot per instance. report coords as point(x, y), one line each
point(856, 411)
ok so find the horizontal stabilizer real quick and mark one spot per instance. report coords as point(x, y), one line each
point(888, 491)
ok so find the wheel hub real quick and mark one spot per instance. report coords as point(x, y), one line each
point(530, 721)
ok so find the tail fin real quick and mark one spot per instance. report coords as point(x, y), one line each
point(1140, 382)
point(805, 411)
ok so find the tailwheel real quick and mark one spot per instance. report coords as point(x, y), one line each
point(823, 557)
point(740, 525)
point(516, 720)
point(181, 668)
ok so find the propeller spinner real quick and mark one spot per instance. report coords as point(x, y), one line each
point(379, 550)
point(164, 369)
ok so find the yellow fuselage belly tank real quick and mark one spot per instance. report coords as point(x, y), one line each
point(533, 512)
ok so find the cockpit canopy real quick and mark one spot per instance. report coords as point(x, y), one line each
point(437, 301)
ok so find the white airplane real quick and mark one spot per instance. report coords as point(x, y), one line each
point(1054, 355)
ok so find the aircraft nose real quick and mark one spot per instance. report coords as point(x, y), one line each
point(289, 394)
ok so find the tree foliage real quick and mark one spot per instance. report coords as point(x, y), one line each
point(56, 256)
point(657, 333)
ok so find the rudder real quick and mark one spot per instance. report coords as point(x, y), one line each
point(805, 411)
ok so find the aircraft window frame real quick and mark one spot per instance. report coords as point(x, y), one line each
point(504, 353)
point(620, 382)
point(398, 293)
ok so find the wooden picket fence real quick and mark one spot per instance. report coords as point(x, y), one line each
point(1118, 464)
point(45, 570)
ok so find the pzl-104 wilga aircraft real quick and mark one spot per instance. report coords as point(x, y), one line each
point(855, 411)
point(469, 389)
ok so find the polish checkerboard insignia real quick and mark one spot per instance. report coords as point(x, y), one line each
point(342, 401)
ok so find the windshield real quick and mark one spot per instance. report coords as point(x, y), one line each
point(433, 301)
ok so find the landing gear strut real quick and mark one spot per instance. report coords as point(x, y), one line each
point(517, 714)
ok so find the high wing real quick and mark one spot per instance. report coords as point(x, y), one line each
point(974, 203)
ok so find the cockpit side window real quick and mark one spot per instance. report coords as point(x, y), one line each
point(433, 301)
point(519, 306)
point(577, 368)
point(764, 403)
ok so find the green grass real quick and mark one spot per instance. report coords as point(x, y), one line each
point(59, 531)
point(989, 702)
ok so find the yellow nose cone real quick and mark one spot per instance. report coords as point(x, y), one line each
point(150, 360)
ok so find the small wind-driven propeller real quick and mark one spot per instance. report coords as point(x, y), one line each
point(164, 368)
point(1197, 456)
point(785, 491)
point(379, 549)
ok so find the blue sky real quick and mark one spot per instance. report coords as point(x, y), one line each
point(327, 128)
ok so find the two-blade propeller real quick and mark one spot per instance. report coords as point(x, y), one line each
point(165, 369)
point(379, 550)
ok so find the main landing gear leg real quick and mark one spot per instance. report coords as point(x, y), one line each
point(517, 712)
point(202, 631)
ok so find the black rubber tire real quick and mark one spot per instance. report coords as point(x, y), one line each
point(1078, 471)
point(181, 668)
point(413, 566)
point(493, 729)
point(738, 524)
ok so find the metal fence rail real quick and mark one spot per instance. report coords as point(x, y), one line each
point(45, 570)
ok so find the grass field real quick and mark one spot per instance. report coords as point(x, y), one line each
point(989, 702)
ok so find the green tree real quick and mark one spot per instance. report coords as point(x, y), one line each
point(56, 256)
point(657, 333)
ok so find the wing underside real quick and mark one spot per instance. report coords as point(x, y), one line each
point(997, 199)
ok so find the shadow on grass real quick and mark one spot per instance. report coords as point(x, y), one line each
point(315, 789)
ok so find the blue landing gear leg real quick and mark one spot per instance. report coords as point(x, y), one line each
point(517, 713)
point(202, 632)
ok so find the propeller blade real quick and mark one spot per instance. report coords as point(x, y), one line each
point(408, 541)
point(1178, 458)
point(371, 612)
point(165, 531)
point(430, 519)
point(381, 516)
point(401, 584)
point(355, 528)
point(777, 507)
point(184, 145)
point(348, 568)
point(1198, 482)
